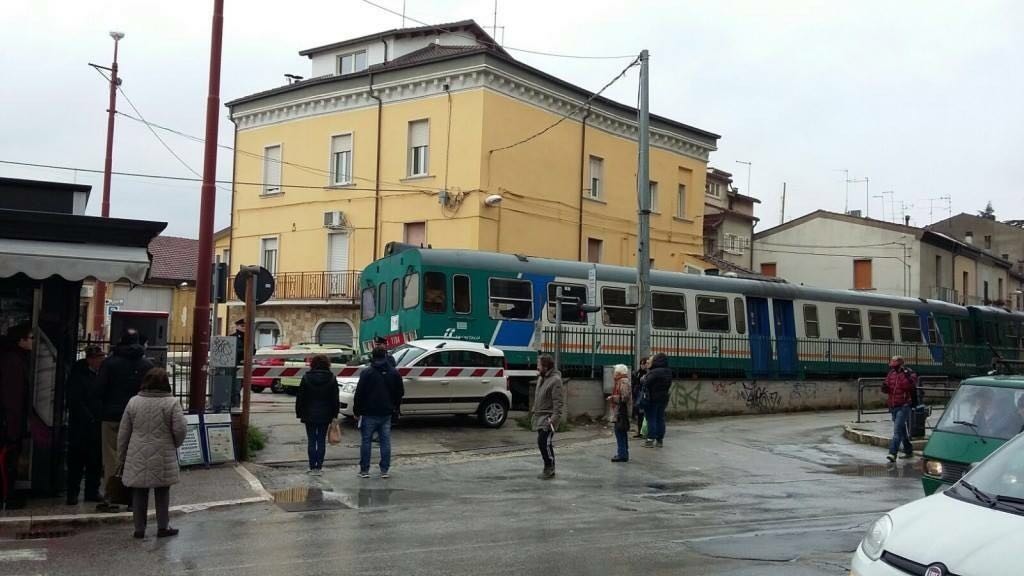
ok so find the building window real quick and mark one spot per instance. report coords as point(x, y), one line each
point(668, 311)
point(594, 248)
point(811, 329)
point(596, 175)
point(848, 323)
point(681, 201)
point(614, 308)
point(741, 315)
point(272, 170)
point(713, 189)
point(988, 242)
point(461, 294)
point(510, 299)
point(653, 189)
point(434, 297)
point(352, 62)
point(984, 286)
point(410, 291)
point(415, 233)
point(571, 311)
point(769, 269)
point(369, 301)
point(966, 284)
point(419, 145)
point(341, 160)
point(880, 325)
point(999, 293)
point(862, 275)
point(910, 329)
point(268, 254)
point(712, 314)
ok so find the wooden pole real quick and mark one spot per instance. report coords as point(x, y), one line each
point(250, 317)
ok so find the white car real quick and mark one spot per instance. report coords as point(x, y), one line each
point(974, 528)
point(446, 377)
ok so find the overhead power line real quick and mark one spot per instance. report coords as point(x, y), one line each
point(495, 44)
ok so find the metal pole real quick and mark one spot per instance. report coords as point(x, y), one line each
point(201, 319)
point(643, 252)
point(867, 197)
point(558, 328)
point(250, 318)
point(99, 318)
point(782, 212)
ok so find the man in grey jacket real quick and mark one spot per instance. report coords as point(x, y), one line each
point(548, 407)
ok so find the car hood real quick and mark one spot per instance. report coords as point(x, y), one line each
point(967, 538)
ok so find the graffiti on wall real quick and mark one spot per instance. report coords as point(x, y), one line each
point(759, 398)
point(685, 397)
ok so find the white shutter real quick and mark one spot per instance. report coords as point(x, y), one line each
point(335, 333)
point(419, 133)
point(337, 250)
point(341, 170)
point(272, 170)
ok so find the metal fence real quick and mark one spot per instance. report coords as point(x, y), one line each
point(334, 286)
point(933, 390)
point(176, 358)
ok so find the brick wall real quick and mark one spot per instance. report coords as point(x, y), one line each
point(299, 323)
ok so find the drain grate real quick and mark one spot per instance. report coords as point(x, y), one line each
point(43, 534)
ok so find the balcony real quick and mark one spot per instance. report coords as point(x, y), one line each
point(334, 287)
point(945, 294)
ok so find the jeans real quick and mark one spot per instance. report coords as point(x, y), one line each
point(382, 426)
point(545, 442)
point(140, 507)
point(622, 441)
point(900, 430)
point(655, 415)
point(316, 438)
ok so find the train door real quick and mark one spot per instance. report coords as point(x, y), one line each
point(759, 325)
point(946, 339)
point(785, 336)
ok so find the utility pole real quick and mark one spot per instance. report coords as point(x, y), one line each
point(201, 321)
point(99, 312)
point(643, 186)
point(749, 164)
point(782, 212)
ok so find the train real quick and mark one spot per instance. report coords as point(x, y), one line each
point(709, 326)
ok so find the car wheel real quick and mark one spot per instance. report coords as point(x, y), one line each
point(257, 389)
point(493, 412)
point(276, 387)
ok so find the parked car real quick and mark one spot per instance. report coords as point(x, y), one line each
point(447, 377)
point(974, 527)
point(983, 414)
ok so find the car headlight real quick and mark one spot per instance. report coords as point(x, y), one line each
point(933, 468)
point(874, 540)
point(348, 388)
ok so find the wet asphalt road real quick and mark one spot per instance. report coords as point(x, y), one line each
point(771, 495)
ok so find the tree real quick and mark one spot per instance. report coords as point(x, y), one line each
point(989, 213)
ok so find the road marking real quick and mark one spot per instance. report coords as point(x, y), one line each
point(23, 555)
point(253, 481)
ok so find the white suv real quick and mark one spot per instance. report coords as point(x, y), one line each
point(446, 377)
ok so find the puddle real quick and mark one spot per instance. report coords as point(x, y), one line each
point(680, 499)
point(677, 486)
point(307, 499)
point(900, 470)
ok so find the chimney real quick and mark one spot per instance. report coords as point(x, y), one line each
point(969, 237)
point(906, 220)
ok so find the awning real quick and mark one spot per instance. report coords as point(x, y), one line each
point(73, 261)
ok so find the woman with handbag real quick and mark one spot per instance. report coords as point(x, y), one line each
point(621, 393)
point(317, 406)
point(151, 430)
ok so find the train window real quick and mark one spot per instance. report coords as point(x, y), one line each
point(668, 311)
point(511, 299)
point(712, 314)
point(411, 290)
point(741, 315)
point(435, 299)
point(811, 329)
point(848, 323)
point(614, 310)
point(396, 293)
point(461, 295)
point(960, 331)
point(571, 312)
point(880, 325)
point(369, 299)
point(910, 329)
point(933, 331)
point(382, 298)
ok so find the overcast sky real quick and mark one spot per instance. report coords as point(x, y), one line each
point(924, 98)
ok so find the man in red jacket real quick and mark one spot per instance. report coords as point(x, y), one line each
point(901, 386)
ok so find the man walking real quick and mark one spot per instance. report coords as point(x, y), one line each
point(901, 386)
point(85, 453)
point(659, 383)
point(378, 396)
point(548, 405)
point(119, 379)
point(15, 374)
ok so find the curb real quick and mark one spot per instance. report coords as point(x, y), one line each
point(869, 438)
point(19, 526)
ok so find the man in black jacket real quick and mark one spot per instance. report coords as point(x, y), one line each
point(378, 396)
point(636, 386)
point(659, 383)
point(84, 436)
point(119, 379)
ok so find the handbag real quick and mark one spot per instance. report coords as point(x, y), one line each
point(116, 492)
point(643, 428)
point(334, 432)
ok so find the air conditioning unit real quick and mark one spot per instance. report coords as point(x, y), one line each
point(335, 220)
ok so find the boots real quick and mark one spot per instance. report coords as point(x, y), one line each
point(548, 473)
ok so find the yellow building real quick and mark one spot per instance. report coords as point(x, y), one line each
point(437, 136)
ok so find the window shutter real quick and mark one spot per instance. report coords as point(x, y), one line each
point(862, 274)
point(272, 170)
point(342, 143)
point(419, 133)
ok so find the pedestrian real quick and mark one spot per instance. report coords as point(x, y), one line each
point(85, 443)
point(658, 382)
point(15, 375)
point(901, 387)
point(620, 401)
point(317, 405)
point(151, 430)
point(119, 379)
point(380, 343)
point(639, 400)
point(548, 404)
point(378, 396)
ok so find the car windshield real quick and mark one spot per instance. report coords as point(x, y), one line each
point(989, 411)
point(1002, 474)
point(406, 353)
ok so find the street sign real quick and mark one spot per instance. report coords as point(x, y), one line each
point(264, 285)
point(222, 351)
point(592, 285)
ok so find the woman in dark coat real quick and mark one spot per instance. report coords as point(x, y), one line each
point(316, 405)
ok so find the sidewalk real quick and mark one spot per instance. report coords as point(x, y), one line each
point(876, 430)
point(199, 489)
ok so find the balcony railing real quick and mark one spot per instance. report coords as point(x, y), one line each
point(945, 294)
point(340, 287)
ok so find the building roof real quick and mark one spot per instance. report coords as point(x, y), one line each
point(736, 194)
point(174, 259)
point(725, 266)
point(1014, 224)
point(44, 184)
point(57, 227)
point(479, 33)
point(222, 232)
